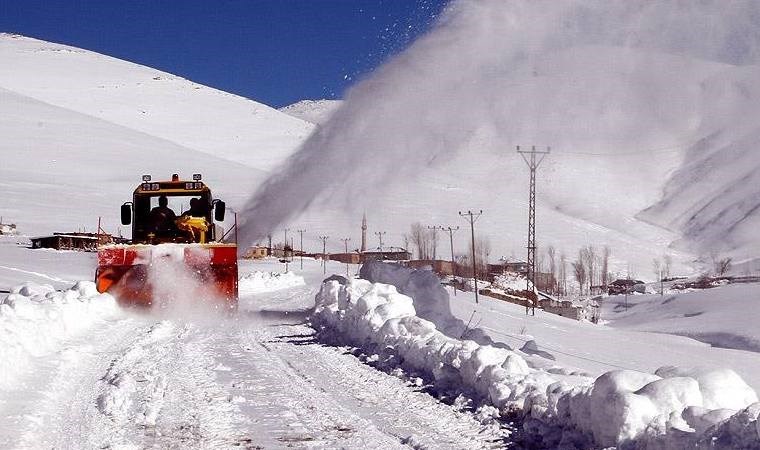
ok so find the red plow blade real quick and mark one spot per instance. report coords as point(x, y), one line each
point(132, 273)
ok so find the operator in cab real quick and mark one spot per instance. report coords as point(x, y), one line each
point(162, 218)
point(197, 209)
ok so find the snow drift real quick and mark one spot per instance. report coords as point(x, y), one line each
point(35, 319)
point(431, 301)
point(668, 409)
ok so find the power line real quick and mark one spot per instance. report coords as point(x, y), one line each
point(451, 242)
point(472, 218)
point(301, 232)
point(345, 241)
point(650, 151)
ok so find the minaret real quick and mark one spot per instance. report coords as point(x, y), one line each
point(364, 233)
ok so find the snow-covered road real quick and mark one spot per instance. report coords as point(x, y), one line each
point(256, 380)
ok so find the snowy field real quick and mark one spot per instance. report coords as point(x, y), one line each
point(264, 378)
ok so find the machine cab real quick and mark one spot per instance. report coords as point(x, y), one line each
point(178, 211)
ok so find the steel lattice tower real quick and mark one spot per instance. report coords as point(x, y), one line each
point(532, 165)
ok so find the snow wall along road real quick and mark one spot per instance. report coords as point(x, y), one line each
point(672, 408)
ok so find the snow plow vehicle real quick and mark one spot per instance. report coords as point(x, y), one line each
point(172, 226)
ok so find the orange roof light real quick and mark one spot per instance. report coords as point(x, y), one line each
point(175, 177)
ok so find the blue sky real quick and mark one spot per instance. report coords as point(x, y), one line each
point(274, 51)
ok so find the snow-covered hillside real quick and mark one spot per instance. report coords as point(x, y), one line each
point(61, 169)
point(77, 130)
point(149, 101)
point(314, 111)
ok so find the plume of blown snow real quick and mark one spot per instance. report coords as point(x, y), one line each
point(474, 74)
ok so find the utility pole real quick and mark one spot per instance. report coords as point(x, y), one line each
point(451, 242)
point(472, 218)
point(324, 253)
point(379, 235)
point(532, 165)
point(301, 232)
point(345, 241)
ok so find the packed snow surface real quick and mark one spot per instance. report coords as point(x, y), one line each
point(665, 409)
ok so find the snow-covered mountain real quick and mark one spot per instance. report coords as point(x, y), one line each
point(77, 130)
point(149, 101)
point(314, 111)
point(713, 198)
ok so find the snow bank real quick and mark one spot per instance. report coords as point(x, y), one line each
point(431, 301)
point(35, 318)
point(663, 410)
point(258, 281)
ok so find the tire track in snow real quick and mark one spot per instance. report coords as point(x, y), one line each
point(277, 408)
point(162, 393)
point(372, 400)
point(53, 406)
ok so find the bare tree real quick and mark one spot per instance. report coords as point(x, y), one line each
point(587, 257)
point(722, 266)
point(606, 252)
point(563, 273)
point(482, 250)
point(433, 238)
point(417, 237)
point(551, 253)
point(579, 270)
point(667, 264)
point(657, 269)
point(463, 265)
point(425, 240)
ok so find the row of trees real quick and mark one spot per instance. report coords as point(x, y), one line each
point(590, 268)
point(424, 239)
